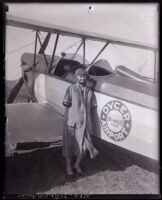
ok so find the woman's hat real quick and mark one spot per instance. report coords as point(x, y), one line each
point(81, 71)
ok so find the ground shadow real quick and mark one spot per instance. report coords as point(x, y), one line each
point(42, 170)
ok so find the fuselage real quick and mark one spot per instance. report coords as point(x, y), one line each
point(131, 123)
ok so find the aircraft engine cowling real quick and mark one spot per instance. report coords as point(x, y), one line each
point(30, 72)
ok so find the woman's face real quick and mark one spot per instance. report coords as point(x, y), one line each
point(82, 79)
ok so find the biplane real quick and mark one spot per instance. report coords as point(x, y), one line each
point(127, 112)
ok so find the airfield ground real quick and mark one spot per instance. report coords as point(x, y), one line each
point(114, 171)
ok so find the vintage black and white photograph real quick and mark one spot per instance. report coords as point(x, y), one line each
point(82, 98)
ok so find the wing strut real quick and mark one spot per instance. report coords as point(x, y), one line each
point(155, 68)
point(42, 51)
point(98, 55)
point(45, 43)
point(54, 51)
point(35, 49)
point(77, 50)
point(34, 63)
point(83, 51)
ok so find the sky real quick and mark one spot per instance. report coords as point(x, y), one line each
point(136, 22)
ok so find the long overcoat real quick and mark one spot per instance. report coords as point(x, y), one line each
point(77, 121)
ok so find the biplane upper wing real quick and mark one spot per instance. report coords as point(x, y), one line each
point(51, 28)
point(33, 122)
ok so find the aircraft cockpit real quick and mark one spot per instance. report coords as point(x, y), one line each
point(98, 71)
point(66, 66)
point(101, 68)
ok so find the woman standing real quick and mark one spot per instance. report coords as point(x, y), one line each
point(79, 101)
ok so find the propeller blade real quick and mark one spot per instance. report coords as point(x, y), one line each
point(14, 92)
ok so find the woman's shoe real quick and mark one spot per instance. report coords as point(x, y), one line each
point(78, 169)
point(95, 154)
point(69, 171)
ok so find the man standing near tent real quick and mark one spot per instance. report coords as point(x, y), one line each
point(79, 101)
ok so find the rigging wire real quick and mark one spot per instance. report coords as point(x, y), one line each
point(70, 46)
point(18, 37)
point(91, 43)
point(42, 37)
point(129, 60)
point(12, 52)
point(20, 48)
point(145, 62)
point(73, 45)
point(109, 59)
point(137, 67)
point(119, 50)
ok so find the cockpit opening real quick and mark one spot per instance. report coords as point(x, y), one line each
point(66, 66)
point(98, 71)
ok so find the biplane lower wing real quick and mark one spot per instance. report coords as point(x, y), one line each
point(25, 124)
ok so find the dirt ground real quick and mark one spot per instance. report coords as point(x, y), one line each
point(114, 171)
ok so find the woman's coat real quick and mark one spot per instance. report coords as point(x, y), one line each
point(77, 121)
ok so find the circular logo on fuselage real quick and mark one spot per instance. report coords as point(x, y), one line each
point(115, 120)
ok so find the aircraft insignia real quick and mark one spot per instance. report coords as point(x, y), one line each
point(115, 120)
